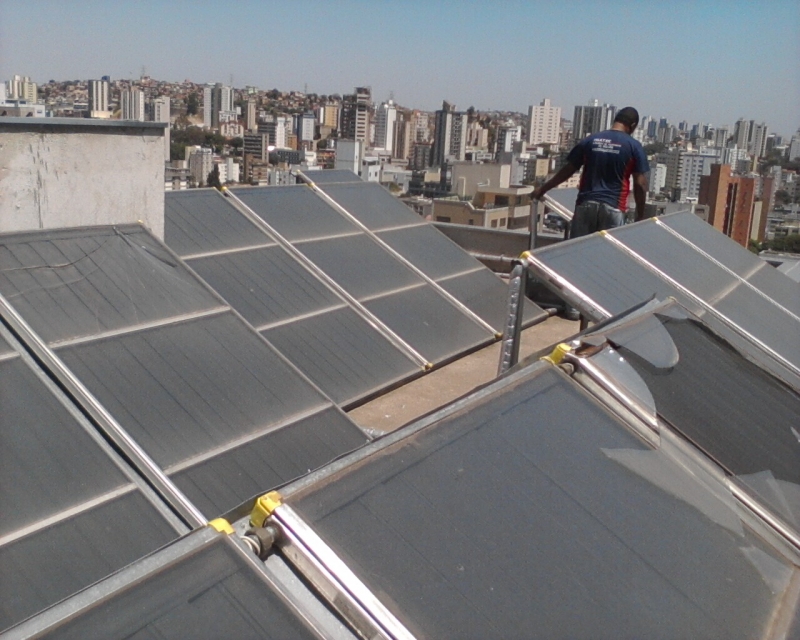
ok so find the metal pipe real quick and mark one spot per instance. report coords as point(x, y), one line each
point(558, 208)
point(340, 586)
point(635, 406)
point(365, 313)
point(106, 422)
point(562, 286)
point(509, 346)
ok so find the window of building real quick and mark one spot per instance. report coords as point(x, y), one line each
point(442, 218)
point(494, 223)
point(503, 222)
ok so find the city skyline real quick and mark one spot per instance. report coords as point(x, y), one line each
point(470, 53)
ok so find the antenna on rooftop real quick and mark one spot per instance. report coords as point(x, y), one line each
point(391, 95)
point(144, 71)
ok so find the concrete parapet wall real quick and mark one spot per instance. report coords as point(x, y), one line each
point(62, 172)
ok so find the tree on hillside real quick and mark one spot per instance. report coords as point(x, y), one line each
point(192, 104)
point(213, 178)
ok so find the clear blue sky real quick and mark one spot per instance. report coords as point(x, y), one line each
point(706, 61)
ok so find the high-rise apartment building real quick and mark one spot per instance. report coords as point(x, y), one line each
point(305, 126)
point(421, 126)
point(403, 138)
point(161, 113)
point(758, 140)
point(98, 99)
point(132, 104)
point(695, 165)
point(794, 146)
point(544, 123)
point(385, 120)
point(21, 88)
point(507, 135)
point(278, 128)
point(721, 135)
point(355, 115)
point(216, 98)
point(592, 118)
point(450, 135)
point(730, 201)
point(251, 117)
point(741, 133)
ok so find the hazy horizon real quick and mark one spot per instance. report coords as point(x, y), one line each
point(711, 62)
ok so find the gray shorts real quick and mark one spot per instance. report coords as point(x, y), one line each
point(591, 216)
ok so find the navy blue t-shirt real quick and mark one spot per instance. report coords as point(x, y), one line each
point(608, 159)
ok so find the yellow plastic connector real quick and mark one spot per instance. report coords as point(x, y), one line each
point(428, 366)
point(264, 507)
point(223, 189)
point(603, 232)
point(558, 353)
point(221, 525)
point(524, 255)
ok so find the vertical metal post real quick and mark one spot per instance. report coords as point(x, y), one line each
point(509, 346)
point(533, 224)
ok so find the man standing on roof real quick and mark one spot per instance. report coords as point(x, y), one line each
point(609, 160)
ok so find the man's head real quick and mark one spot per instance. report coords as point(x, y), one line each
point(629, 117)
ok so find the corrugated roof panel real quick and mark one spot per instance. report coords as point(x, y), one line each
point(536, 513)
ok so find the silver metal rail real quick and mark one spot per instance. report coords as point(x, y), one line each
point(162, 484)
point(333, 579)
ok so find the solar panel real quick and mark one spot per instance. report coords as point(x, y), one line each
point(199, 221)
point(293, 307)
point(362, 267)
point(534, 512)
point(327, 176)
point(734, 411)
point(734, 257)
point(372, 205)
point(72, 512)
point(201, 392)
point(341, 353)
point(202, 586)
point(429, 250)
point(634, 263)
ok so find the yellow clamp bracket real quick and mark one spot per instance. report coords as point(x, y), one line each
point(221, 525)
point(264, 507)
point(428, 366)
point(525, 255)
point(603, 232)
point(558, 353)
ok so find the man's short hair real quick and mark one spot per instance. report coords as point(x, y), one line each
point(628, 116)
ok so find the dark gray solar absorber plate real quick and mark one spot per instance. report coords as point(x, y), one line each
point(535, 513)
point(746, 264)
point(327, 176)
point(81, 282)
point(725, 292)
point(341, 353)
point(295, 309)
point(202, 221)
point(199, 590)
point(367, 271)
point(617, 282)
point(70, 516)
point(741, 417)
point(296, 212)
point(429, 250)
point(265, 285)
point(372, 205)
point(194, 392)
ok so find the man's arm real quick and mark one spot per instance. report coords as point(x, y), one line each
point(640, 193)
point(562, 175)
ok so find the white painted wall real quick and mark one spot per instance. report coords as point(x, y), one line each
point(61, 172)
